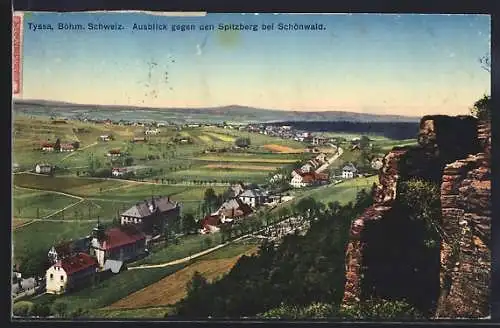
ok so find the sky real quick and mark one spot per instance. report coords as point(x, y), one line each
point(369, 63)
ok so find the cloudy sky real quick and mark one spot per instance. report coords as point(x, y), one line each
point(398, 64)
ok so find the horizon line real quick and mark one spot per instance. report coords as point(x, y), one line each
point(14, 99)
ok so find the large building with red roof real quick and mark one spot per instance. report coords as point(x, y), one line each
point(121, 244)
point(70, 273)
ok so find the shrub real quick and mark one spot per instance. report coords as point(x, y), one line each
point(40, 310)
point(319, 310)
point(60, 309)
point(380, 309)
point(22, 308)
point(422, 201)
point(283, 311)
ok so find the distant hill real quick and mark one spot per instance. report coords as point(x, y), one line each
point(229, 113)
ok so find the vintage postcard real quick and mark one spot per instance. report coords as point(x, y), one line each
point(295, 166)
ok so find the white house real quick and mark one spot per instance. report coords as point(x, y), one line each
point(377, 163)
point(306, 167)
point(153, 132)
point(105, 137)
point(349, 171)
point(298, 181)
point(253, 197)
point(119, 171)
point(70, 273)
point(43, 168)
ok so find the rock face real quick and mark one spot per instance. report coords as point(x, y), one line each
point(385, 257)
point(466, 222)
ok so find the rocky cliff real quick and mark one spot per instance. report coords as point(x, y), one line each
point(386, 257)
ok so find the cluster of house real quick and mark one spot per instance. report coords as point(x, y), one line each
point(288, 132)
point(242, 202)
point(308, 174)
point(63, 147)
point(78, 263)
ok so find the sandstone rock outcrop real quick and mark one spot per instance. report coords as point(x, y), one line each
point(385, 257)
point(466, 222)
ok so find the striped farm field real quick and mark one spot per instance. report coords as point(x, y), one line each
point(283, 149)
point(221, 136)
point(205, 138)
point(241, 167)
point(246, 159)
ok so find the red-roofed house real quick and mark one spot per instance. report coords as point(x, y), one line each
point(67, 147)
point(114, 153)
point(123, 244)
point(47, 146)
point(308, 179)
point(70, 273)
point(210, 224)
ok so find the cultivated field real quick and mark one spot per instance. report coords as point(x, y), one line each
point(172, 289)
point(283, 149)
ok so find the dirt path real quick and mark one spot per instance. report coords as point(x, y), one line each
point(63, 209)
point(72, 153)
point(187, 258)
point(51, 191)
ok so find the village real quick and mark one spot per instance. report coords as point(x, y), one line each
point(104, 251)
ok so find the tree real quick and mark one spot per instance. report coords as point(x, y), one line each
point(76, 145)
point(482, 108)
point(57, 145)
point(210, 200)
point(34, 262)
point(129, 161)
point(196, 283)
point(242, 142)
point(364, 142)
point(189, 223)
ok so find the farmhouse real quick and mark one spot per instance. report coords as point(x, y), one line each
point(308, 179)
point(105, 137)
point(119, 171)
point(210, 224)
point(253, 197)
point(70, 273)
point(47, 147)
point(153, 132)
point(235, 190)
point(151, 216)
point(114, 153)
point(43, 168)
point(67, 147)
point(349, 171)
point(318, 140)
point(377, 163)
point(120, 244)
point(233, 209)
